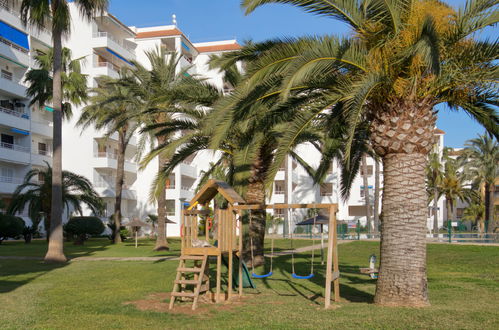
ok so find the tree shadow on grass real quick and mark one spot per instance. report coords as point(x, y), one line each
point(286, 285)
point(22, 272)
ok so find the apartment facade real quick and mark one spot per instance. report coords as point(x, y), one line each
point(25, 131)
point(107, 45)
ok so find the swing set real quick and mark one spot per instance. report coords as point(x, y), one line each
point(193, 280)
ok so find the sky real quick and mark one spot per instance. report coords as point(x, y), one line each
point(211, 20)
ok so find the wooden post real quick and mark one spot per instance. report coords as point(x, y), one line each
point(330, 248)
point(240, 253)
point(230, 221)
point(219, 255)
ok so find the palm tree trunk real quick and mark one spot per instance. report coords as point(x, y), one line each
point(489, 207)
point(435, 211)
point(120, 179)
point(55, 251)
point(161, 242)
point(366, 193)
point(376, 195)
point(402, 276)
point(256, 229)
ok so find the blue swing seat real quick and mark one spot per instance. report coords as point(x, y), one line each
point(306, 277)
point(262, 276)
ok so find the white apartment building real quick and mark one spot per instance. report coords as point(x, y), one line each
point(26, 132)
point(107, 45)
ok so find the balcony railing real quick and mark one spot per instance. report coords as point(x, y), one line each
point(104, 154)
point(110, 36)
point(326, 193)
point(14, 113)
point(13, 45)
point(5, 6)
point(14, 147)
point(43, 152)
point(10, 179)
point(108, 65)
point(279, 192)
point(186, 188)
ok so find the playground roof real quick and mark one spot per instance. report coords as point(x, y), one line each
point(212, 188)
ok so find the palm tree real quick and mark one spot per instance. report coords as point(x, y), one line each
point(475, 212)
point(434, 176)
point(481, 156)
point(166, 91)
point(36, 193)
point(453, 186)
point(56, 13)
point(114, 108)
point(401, 60)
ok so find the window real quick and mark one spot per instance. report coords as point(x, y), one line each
point(459, 212)
point(7, 141)
point(369, 170)
point(7, 174)
point(170, 207)
point(42, 148)
point(6, 75)
point(279, 188)
point(327, 189)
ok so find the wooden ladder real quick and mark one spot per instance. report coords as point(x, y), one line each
point(180, 283)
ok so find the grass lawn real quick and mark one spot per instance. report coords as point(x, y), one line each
point(463, 284)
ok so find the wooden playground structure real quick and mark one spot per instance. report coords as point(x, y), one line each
point(229, 245)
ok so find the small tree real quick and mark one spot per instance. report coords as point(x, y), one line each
point(10, 226)
point(81, 227)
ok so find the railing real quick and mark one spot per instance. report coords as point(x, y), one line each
point(186, 188)
point(103, 154)
point(14, 113)
point(42, 121)
point(14, 147)
point(5, 6)
point(9, 179)
point(110, 36)
point(47, 153)
point(13, 45)
point(326, 193)
point(108, 65)
point(279, 192)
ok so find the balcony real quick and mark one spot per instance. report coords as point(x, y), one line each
point(106, 69)
point(133, 139)
point(121, 47)
point(9, 184)
point(188, 170)
point(12, 85)
point(14, 52)
point(41, 157)
point(107, 189)
point(110, 160)
point(42, 127)
point(14, 153)
point(13, 17)
point(14, 118)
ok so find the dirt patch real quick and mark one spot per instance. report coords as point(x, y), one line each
point(159, 302)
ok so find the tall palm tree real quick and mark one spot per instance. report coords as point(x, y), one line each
point(401, 60)
point(453, 186)
point(114, 108)
point(481, 157)
point(475, 212)
point(165, 91)
point(434, 176)
point(36, 193)
point(56, 13)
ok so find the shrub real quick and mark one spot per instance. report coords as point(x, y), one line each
point(81, 227)
point(10, 226)
point(124, 233)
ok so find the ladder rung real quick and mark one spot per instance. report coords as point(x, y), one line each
point(183, 294)
point(190, 257)
point(191, 270)
point(193, 282)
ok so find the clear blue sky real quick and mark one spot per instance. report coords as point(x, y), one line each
point(208, 20)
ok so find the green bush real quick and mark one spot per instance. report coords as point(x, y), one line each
point(124, 233)
point(81, 227)
point(10, 226)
